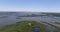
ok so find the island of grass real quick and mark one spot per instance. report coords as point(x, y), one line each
point(23, 26)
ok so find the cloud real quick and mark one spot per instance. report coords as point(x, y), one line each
point(28, 10)
point(23, 9)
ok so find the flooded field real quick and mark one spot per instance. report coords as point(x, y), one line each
point(12, 19)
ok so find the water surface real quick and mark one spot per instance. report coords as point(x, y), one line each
point(12, 19)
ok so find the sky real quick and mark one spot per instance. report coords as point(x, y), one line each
point(30, 5)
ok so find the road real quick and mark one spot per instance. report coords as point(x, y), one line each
point(57, 29)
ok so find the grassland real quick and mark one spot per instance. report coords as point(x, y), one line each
point(23, 27)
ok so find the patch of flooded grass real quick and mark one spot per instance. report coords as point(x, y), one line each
point(4, 17)
point(18, 17)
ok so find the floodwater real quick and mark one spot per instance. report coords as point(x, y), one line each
point(12, 20)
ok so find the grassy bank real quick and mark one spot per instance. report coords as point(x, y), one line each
point(23, 27)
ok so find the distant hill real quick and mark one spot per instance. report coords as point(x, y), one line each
point(29, 13)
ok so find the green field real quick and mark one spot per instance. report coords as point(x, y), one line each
point(23, 27)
